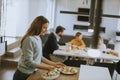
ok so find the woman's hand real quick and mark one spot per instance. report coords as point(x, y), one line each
point(50, 68)
point(59, 65)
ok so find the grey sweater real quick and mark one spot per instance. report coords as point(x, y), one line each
point(31, 54)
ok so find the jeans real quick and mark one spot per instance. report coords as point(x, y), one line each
point(18, 75)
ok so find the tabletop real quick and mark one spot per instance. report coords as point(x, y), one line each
point(37, 76)
point(94, 73)
point(82, 53)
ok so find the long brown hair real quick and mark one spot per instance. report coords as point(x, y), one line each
point(36, 27)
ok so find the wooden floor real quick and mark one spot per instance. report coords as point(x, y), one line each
point(6, 72)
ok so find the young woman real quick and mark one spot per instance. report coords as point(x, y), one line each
point(31, 47)
point(101, 45)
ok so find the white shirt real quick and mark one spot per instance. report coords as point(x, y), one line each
point(58, 37)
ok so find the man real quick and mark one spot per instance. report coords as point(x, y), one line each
point(52, 44)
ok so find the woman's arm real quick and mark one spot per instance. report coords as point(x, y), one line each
point(55, 64)
point(45, 67)
point(48, 61)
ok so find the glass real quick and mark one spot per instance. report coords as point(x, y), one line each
point(68, 47)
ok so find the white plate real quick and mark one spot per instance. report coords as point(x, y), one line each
point(69, 70)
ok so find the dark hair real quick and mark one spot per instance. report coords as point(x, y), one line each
point(59, 29)
point(78, 34)
point(36, 27)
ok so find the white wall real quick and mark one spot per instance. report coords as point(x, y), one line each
point(20, 14)
point(23, 17)
point(0, 10)
point(119, 19)
point(37, 8)
point(110, 7)
point(42, 7)
point(68, 20)
point(17, 17)
point(3, 15)
point(0, 6)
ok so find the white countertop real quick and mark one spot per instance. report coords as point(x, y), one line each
point(94, 73)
